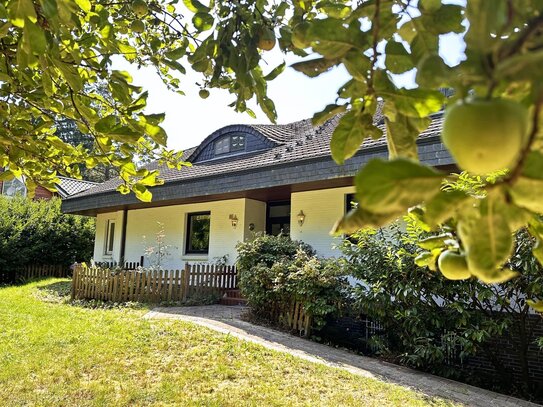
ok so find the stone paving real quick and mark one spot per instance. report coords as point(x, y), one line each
point(227, 319)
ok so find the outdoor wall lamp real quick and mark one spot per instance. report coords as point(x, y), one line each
point(234, 219)
point(251, 226)
point(301, 217)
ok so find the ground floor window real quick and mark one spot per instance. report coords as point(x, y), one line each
point(350, 202)
point(110, 237)
point(278, 218)
point(198, 233)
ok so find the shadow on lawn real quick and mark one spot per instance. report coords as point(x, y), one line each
point(60, 292)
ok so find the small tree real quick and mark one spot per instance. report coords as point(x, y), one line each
point(158, 252)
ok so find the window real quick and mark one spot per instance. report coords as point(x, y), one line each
point(350, 202)
point(198, 233)
point(110, 237)
point(278, 218)
point(15, 186)
point(230, 144)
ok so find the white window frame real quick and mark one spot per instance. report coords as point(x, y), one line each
point(109, 237)
point(19, 179)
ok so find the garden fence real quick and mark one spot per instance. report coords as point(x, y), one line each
point(32, 271)
point(153, 286)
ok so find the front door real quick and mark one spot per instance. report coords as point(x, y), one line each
point(278, 218)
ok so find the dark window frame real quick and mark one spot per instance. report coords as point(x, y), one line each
point(349, 199)
point(278, 219)
point(188, 230)
point(110, 237)
point(231, 149)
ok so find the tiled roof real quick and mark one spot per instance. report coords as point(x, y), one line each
point(70, 186)
point(299, 141)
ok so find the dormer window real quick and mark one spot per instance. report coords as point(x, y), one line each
point(230, 143)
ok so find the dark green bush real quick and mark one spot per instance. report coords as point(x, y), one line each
point(276, 271)
point(36, 232)
point(433, 323)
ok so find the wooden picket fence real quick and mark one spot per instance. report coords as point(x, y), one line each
point(33, 271)
point(292, 316)
point(152, 286)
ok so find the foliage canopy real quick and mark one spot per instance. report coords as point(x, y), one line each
point(36, 232)
point(54, 52)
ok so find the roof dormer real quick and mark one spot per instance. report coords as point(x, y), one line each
point(231, 141)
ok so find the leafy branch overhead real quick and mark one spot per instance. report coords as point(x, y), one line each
point(55, 52)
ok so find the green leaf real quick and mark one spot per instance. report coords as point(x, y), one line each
point(397, 59)
point(444, 206)
point(415, 102)
point(359, 218)
point(487, 239)
point(315, 67)
point(203, 21)
point(402, 136)
point(527, 193)
point(327, 113)
point(84, 5)
point(432, 72)
point(349, 135)
point(434, 242)
point(536, 305)
point(105, 124)
point(384, 187)
point(357, 64)
point(142, 193)
point(487, 18)
point(275, 72)
point(195, 6)
point(331, 39)
point(33, 39)
point(20, 10)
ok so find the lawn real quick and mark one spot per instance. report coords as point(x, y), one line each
point(56, 354)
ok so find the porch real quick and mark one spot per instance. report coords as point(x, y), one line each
point(208, 232)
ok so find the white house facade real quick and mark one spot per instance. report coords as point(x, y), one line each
point(244, 179)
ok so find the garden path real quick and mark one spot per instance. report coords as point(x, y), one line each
point(228, 320)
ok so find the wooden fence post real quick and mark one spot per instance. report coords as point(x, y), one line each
point(185, 282)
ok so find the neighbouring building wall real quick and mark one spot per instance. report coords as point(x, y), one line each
point(142, 226)
point(322, 208)
point(255, 213)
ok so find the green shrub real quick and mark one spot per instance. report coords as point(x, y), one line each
point(275, 271)
point(428, 319)
point(36, 232)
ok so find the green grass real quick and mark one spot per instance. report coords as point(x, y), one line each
point(56, 354)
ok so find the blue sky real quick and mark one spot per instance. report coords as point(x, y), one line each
point(189, 119)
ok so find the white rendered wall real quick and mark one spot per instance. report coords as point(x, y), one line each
point(322, 209)
point(142, 226)
point(255, 213)
point(102, 220)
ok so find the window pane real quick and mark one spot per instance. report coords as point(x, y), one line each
point(111, 237)
point(198, 233)
point(238, 143)
point(14, 187)
point(222, 145)
point(350, 202)
point(279, 210)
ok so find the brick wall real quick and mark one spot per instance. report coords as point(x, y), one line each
point(505, 350)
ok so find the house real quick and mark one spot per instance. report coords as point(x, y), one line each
point(65, 187)
point(244, 179)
